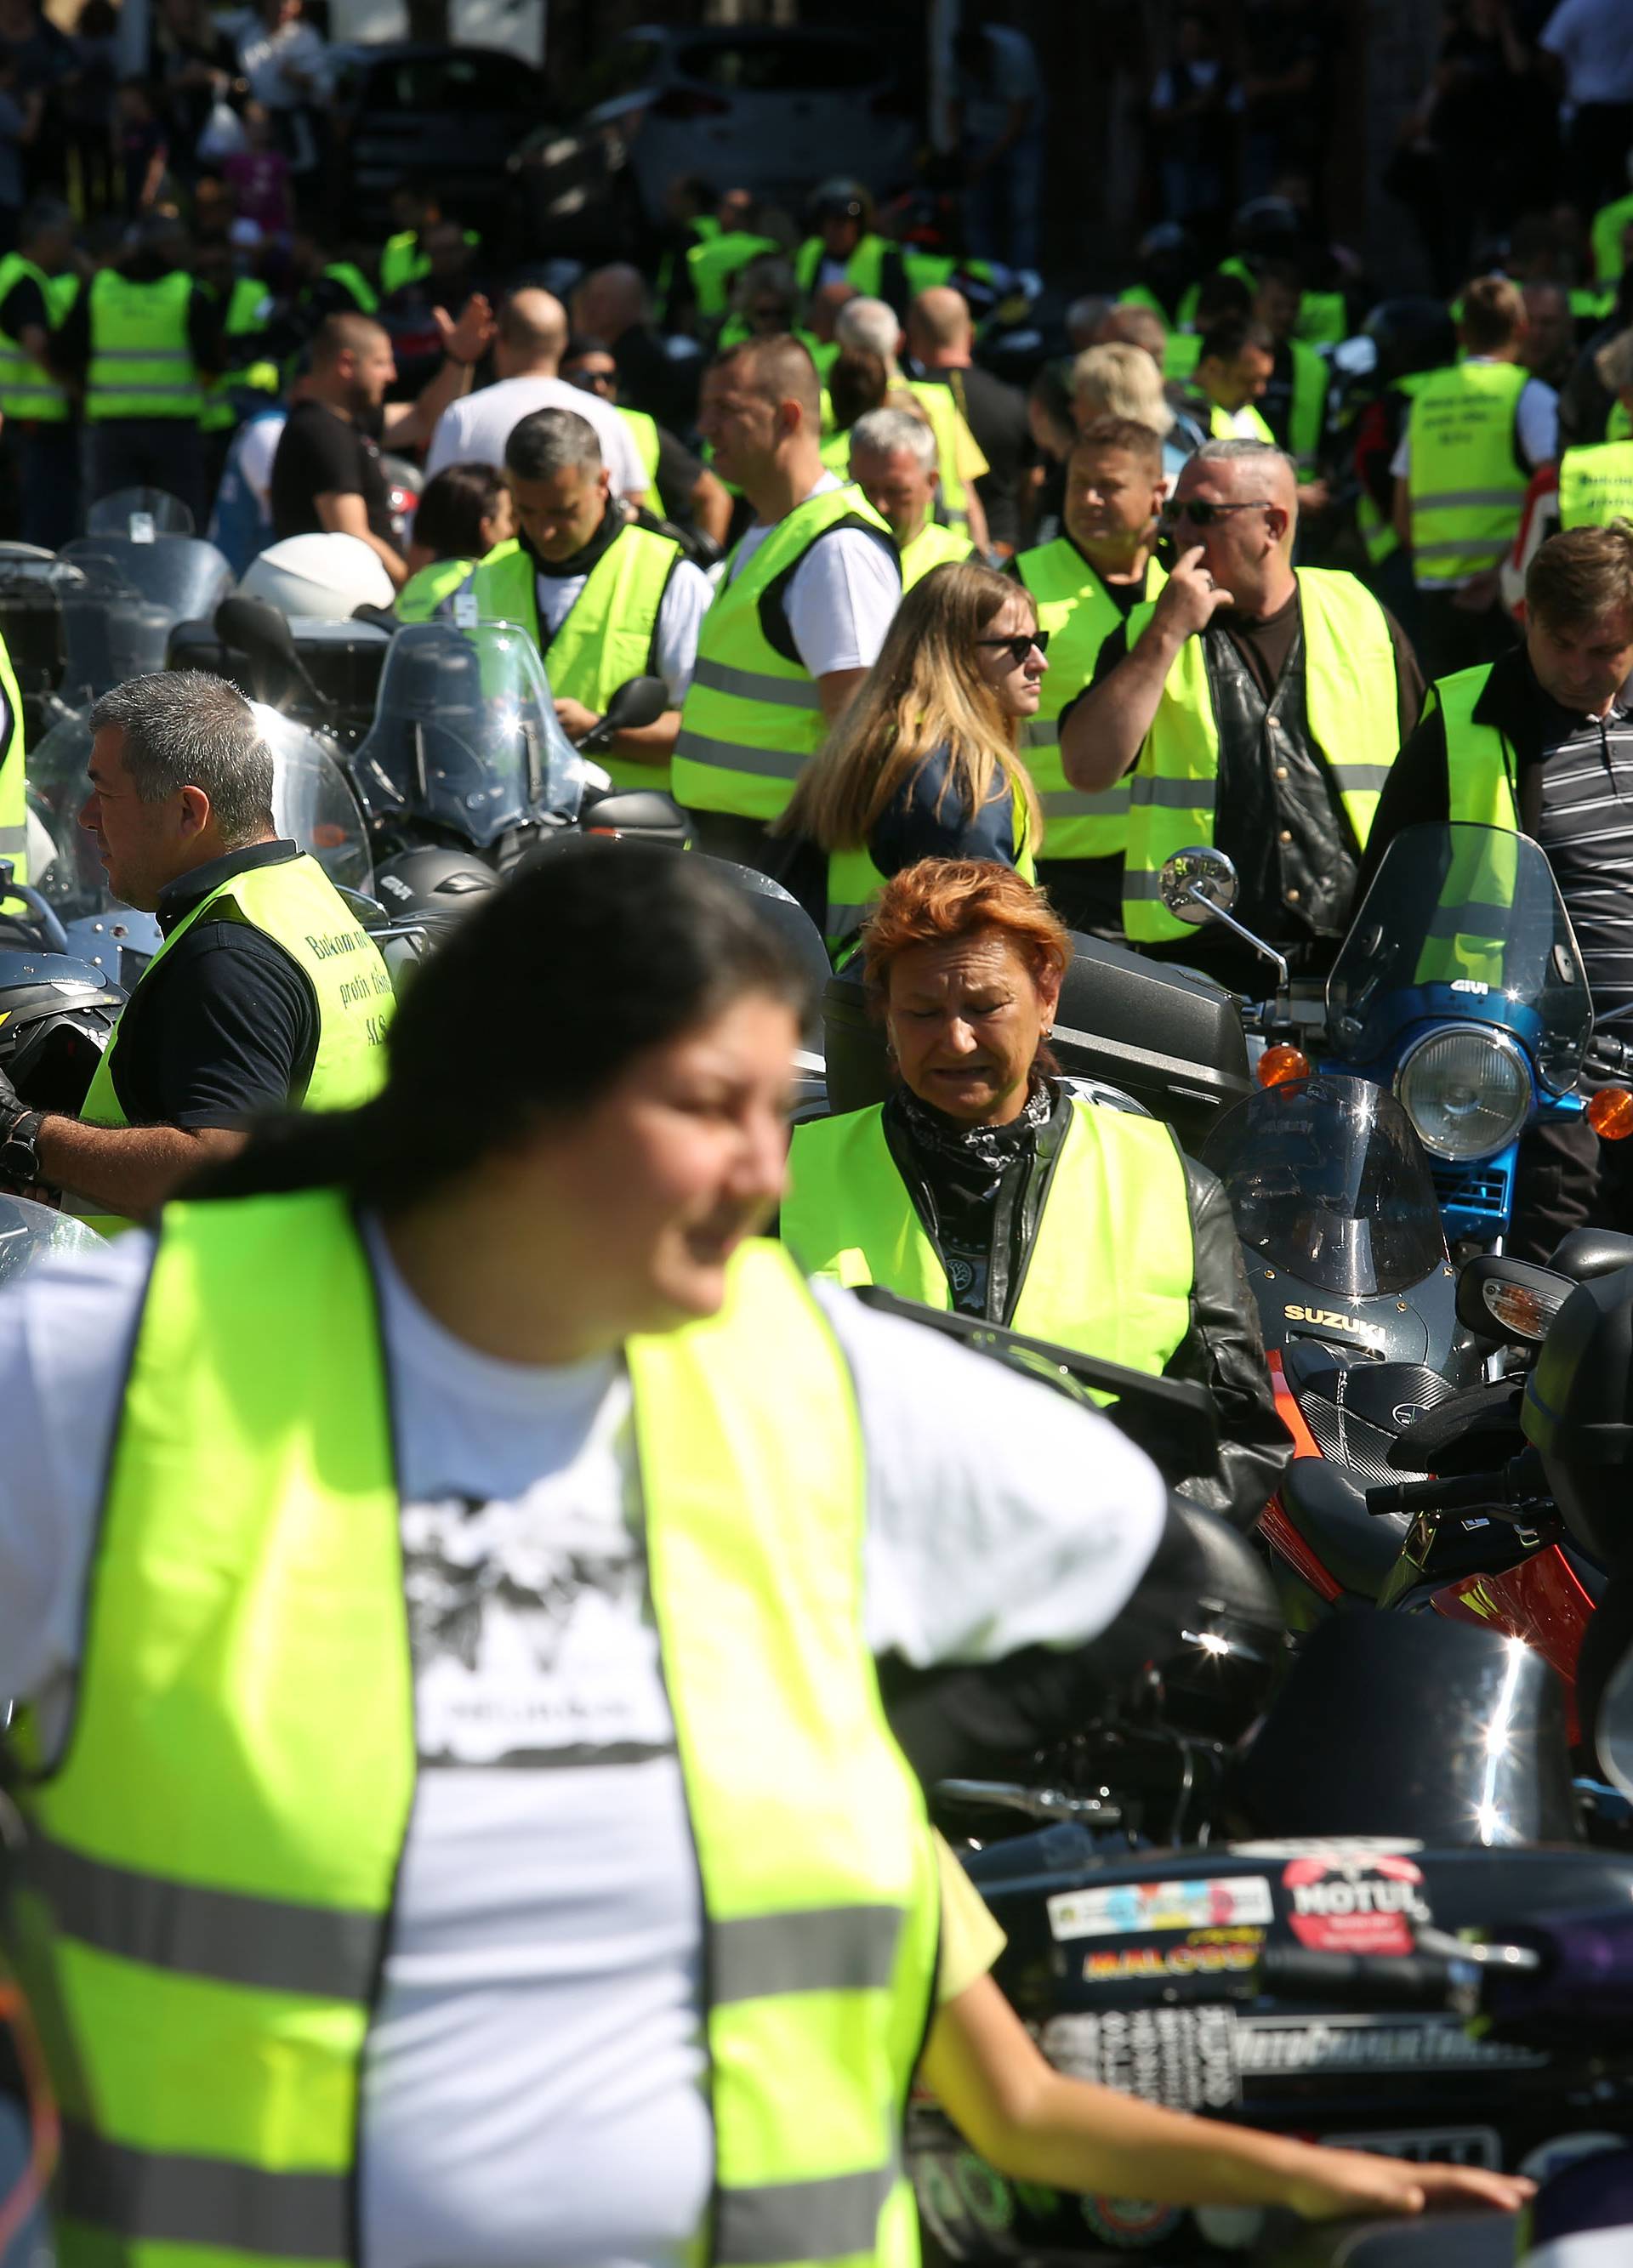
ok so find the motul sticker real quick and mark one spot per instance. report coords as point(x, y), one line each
point(1198, 1952)
point(1365, 1903)
point(1120, 1909)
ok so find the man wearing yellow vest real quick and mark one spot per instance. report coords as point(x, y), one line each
point(1592, 485)
point(1085, 584)
point(1234, 365)
point(1541, 741)
point(141, 338)
point(266, 991)
point(605, 596)
point(1256, 709)
point(1294, 403)
point(893, 462)
point(843, 246)
point(1475, 435)
point(873, 325)
point(800, 612)
point(38, 283)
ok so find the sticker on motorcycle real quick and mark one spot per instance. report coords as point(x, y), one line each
point(1129, 2224)
point(1365, 1903)
point(1200, 1952)
point(1184, 2058)
point(1120, 1909)
point(1273, 2047)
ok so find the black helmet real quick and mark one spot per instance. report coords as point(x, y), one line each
point(1411, 334)
point(1266, 225)
point(56, 1016)
point(432, 885)
point(841, 198)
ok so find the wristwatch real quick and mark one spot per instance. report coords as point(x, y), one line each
point(19, 1147)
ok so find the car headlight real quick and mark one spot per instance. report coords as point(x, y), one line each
point(1467, 1092)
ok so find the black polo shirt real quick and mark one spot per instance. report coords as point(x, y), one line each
point(225, 1025)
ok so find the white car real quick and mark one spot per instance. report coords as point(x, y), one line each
point(768, 110)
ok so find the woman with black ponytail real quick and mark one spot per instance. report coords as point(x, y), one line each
point(443, 1569)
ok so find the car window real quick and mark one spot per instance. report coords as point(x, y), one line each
point(786, 65)
point(450, 83)
point(627, 65)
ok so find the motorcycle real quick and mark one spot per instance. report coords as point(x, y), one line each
point(126, 596)
point(30, 1232)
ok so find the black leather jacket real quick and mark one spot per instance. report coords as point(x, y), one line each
point(1221, 1351)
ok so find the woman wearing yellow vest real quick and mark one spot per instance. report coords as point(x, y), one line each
point(923, 762)
point(463, 513)
point(464, 1822)
point(986, 1186)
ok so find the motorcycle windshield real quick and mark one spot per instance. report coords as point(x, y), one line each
point(1329, 1181)
point(28, 1232)
point(118, 614)
point(1463, 921)
point(465, 735)
point(311, 802)
point(129, 510)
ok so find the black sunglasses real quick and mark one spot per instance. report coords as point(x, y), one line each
point(1021, 644)
point(1204, 515)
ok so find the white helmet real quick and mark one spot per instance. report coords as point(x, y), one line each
point(322, 576)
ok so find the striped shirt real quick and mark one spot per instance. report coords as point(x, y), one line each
point(1585, 827)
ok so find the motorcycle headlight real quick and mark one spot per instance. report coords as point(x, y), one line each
point(1467, 1092)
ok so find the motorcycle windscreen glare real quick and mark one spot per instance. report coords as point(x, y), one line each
point(28, 1232)
point(1463, 921)
point(465, 735)
point(1327, 1180)
point(117, 621)
point(311, 803)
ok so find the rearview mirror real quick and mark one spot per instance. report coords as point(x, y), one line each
point(1197, 883)
point(637, 701)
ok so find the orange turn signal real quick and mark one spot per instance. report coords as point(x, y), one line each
point(1610, 1113)
point(1279, 1065)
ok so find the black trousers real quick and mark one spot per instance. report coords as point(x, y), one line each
point(147, 452)
point(1569, 1179)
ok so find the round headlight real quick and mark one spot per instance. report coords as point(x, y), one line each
point(1467, 1092)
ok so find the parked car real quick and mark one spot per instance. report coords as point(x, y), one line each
point(765, 109)
point(449, 113)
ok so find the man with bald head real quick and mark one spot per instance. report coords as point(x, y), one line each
point(612, 304)
point(1258, 708)
point(801, 608)
point(941, 342)
point(526, 358)
point(327, 475)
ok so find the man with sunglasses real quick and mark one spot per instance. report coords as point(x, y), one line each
point(1256, 708)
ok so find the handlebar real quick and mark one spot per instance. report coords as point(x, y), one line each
point(1517, 1491)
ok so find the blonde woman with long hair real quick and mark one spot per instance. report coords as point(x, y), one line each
point(922, 764)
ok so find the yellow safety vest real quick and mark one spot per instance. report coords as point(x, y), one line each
point(1375, 527)
point(1079, 613)
point(428, 587)
point(1596, 485)
point(13, 787)
point(248, 311)
point(948, 423)
point(213, 1858)
point(1478, 892)
point(611, 630)
point(295, 903)
point(854, 883)
point(713, 264)
point(1110, 1269)
point(402, 262)
point(1307, 415)
point(1350, 698)
point(1610, 225)
point(141, 360)
point(752, 717)
point(864, 270)
point(1225, 425)
point(28, 389)
point(1465, 483)
point(934, 546)
point(644, 433)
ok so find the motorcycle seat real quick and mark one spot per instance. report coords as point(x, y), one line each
point(1589, 1252)
point(1330, 1513)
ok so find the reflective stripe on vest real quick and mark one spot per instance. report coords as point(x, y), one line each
point(295, 903)
point(1596, 485)
point(854, 883)
point(1075, 610)
point(934, 546)
point(1480, 763)
point(429, 587)
point(1351, 700)
point(1465, 485)
point(28, 389)
point(1110, 1269)
point(609, 633)
point(205, 1972)
point(943, 411)
point(752, 717)
point(141, 363)
point(250, 310)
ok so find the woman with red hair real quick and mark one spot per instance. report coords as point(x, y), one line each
point(986, 1186)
